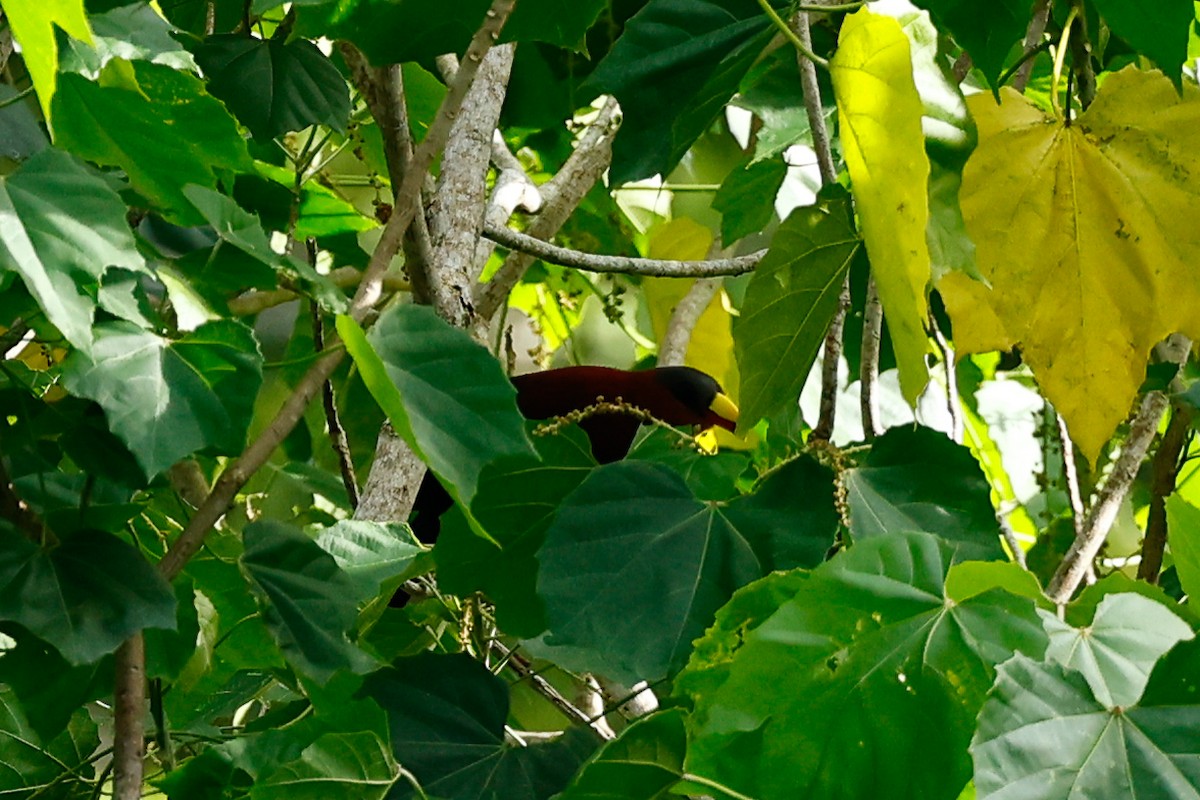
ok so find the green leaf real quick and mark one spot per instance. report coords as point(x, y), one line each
point(447, 715)
point(1044, 736)
point(50, 689)
point(371, 553)
point(273, 86)
point(1158, 30)
point(673, 69)
point(772, 91)
point(515, 502)
point(916, 479)
point(987, 31)
point(633, 537)
point(557, 22)
point(85, 596)
point(813, 700)
point(167, 399)
point(879, 115)
point(444, 394)
point(641, 764)
point(1183, 521)
point(350, 765)
point(1117, 649)
point(155, 123)
point(308, 602)
point(61, 226)
point(29, 764)
point(33, 24)
point(792, 296)
point(244, 231)
point(746, 199)
point(134, 32)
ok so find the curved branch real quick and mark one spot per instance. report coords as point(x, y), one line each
point(687, 313)
point(628, 265)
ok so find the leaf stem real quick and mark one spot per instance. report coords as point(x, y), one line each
point(1059, 57)
point(711, 784)
point(16, 98)
point(790, 35)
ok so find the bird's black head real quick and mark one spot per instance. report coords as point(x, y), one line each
point(700, 393)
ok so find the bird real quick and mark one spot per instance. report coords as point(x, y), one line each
point(675, 395)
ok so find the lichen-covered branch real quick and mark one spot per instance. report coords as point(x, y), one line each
point(673, 347)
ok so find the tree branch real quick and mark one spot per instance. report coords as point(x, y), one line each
point(687, 313)
point(369, 292)
point(628, 265)
point(1166, 465)
point(458, 205)
point(1033, 38)
point(1103, 511)
point(560, 196)
point(129, 711)
point(337, 434)
point(343, 277)
point(813, 107)
point(868, 371)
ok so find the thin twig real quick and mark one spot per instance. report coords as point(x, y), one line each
point(872, 341)
point(129, 711)
point(1166, 465)
point(369, 292)
point(814, 108)
point(342, 277)
point(803, 47)
point(1033, 42)
point(16, 511)
point(627, 265)
point(687, 313)
point(543, 687)
point(560, 196)
point(946, 350)
point(337, 434)
point(1070, 473)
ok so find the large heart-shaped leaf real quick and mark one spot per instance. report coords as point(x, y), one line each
point(634, 566)
point(674, 67)
point(447, 715)
point(61, 226)
point(1117, 649)
point(1085, 233)
point(33, 24)
point(166, 399)
point(85, 596)
point(308, 602)
point(641, 764)
point(808, 702)
point(791, 298)
point(355, 765)
point(1043, 735)
point(154, 122)
point(274, 86)
point(987, 31)
point(916, 479)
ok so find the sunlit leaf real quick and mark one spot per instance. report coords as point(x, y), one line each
point(1085, 234)
point(61, 226)
point(155, 123)
point(1044, 736)
point(1183, 522)
point(372, 552)
point(810, 701)
point(33, 24)
point(879, 113)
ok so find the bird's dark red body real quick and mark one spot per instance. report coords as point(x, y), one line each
point(675, 395)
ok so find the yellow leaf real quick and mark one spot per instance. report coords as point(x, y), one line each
point(879, 113)
point(710, 348)
point(977, 329)
point(33, 24)
point(1088, 235)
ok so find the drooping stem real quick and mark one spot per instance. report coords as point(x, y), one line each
point(1166, 465)
point(872, 336)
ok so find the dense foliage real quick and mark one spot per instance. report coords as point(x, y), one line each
point(945, 257)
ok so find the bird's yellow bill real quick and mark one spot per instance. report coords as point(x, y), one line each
point(706, 440)
point(724, 408)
